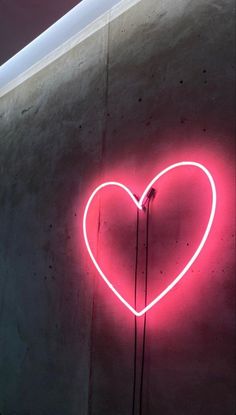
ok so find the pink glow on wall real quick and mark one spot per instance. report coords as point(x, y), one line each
point(138, 204)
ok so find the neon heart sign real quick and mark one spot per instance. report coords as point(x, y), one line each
point(140, 205)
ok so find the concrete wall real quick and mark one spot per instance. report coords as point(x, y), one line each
point(153, 87)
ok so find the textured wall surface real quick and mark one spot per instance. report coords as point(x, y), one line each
point(153, 87)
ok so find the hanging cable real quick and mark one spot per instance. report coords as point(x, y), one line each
point(135, 318)
point(150, 195)
point(145, 315)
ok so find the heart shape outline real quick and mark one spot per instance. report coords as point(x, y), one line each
point(139, 204)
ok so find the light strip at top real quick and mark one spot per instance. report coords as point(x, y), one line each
point(80, 22)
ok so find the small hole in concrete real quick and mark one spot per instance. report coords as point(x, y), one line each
point(140, 100)
point(181, 81)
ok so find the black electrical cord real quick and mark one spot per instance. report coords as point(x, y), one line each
point(145, 315)
point(135, 318)
point(151, 193)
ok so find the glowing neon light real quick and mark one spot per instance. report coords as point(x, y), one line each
point(139, 204)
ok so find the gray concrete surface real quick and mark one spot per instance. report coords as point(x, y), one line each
point(158, 81)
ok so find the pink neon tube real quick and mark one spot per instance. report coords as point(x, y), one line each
point(139, 205)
